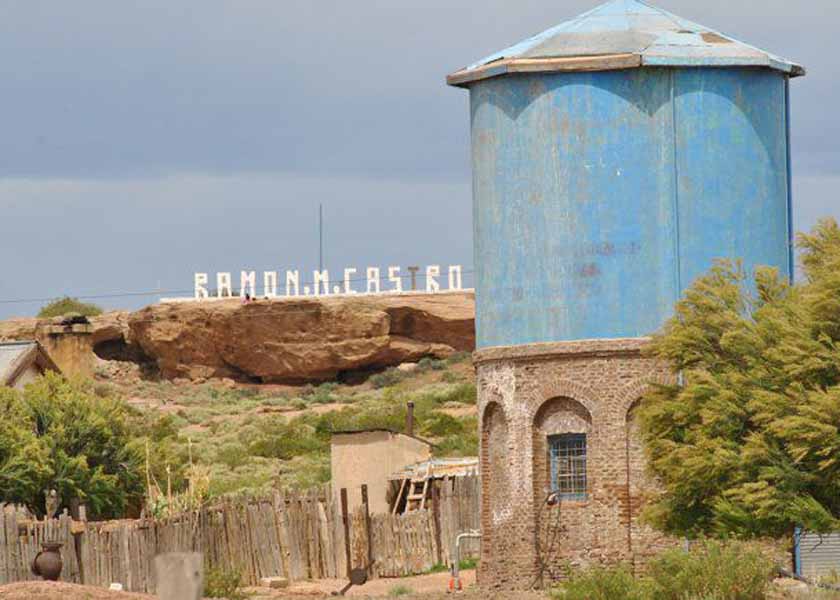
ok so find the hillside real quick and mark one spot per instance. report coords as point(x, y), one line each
point(240, 397)
point(248, 437)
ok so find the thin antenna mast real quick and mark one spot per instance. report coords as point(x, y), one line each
point(320, 237)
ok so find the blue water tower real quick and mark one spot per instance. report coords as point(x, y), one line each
point(614, 158)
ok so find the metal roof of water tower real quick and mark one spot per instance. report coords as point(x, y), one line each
point(623, 34)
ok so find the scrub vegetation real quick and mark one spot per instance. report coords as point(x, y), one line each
point(68, 306)
point(213, 439)
point(711, 570)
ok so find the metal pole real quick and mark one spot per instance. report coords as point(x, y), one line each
point(320, 237)
point(409, 419)
point(455, 581)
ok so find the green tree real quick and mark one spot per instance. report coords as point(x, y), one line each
point(59, 435)
point(749, 442)
point(23, 459)
point(65, 306)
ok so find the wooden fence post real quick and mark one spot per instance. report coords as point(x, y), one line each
point(436, 520)
point(368, 530)
point(345, 516)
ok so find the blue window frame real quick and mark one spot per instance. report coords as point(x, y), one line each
point(567, 459)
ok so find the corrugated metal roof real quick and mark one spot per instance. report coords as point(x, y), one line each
point(624, 29)
point(11, 356)
point(439, 467)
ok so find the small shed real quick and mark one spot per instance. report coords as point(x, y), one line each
point(411, 487)
point(370, 457)
point(817, 556)
point(22, 362)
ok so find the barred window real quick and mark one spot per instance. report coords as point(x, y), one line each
point(567, 454)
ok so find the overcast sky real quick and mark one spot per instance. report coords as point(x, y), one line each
point(143, 141)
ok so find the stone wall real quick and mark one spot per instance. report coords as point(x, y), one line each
point(527, 393)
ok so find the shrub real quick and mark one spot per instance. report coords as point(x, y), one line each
point(280, 400)
point(275, 438)
point(464, 393)
point(430, 364)
point(601, 583)
point(224, 583)
point(441, 424)
point(103, 390)
point(65, 306)
point(323, 394)
point(232, 455)
point(712, 569)
point(450, 377)
point(468, 564)
point(163, 426)
point(400, 590)
point(387, 378)
point(465, 444)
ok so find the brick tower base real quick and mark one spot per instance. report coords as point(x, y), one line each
point(530, 393)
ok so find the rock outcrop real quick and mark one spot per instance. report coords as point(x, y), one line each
point(301, 340)
point(110, 326)
point(279, 341)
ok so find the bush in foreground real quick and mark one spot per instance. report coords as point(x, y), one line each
point(59, 435)
point(601, 583)
point(710, 571)
point(224, 583)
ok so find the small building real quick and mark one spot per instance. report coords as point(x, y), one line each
point(22, 363)
point(370, 457)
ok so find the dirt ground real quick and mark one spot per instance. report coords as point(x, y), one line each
point(48, 590)
point(426, 587)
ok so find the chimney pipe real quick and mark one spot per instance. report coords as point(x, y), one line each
point(409, 419)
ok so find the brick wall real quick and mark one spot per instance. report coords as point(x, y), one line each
point(527, 393)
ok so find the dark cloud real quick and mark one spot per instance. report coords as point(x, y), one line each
point(105, 89)
point(142, 140)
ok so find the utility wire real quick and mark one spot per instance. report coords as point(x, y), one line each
point(303, 283)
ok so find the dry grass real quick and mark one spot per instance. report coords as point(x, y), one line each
point(218, 422)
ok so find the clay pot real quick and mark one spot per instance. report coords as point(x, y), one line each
point(47, 563)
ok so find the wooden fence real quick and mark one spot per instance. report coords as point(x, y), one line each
point(295, 535)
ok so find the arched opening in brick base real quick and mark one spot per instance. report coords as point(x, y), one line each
point(562, 443)
point(495, 497)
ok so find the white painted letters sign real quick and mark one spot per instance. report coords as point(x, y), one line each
point(350, 281)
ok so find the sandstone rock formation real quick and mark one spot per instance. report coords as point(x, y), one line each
point(110, 326)
point(301, 340)
point(279, 341)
